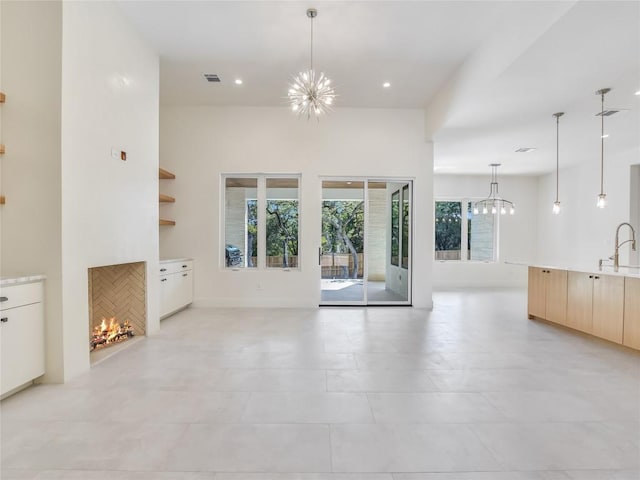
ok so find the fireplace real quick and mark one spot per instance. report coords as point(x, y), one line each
point(117, 304)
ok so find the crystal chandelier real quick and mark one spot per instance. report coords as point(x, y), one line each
point(602, 198)
point(556, 204)
point(310, 93)
point(494, 202)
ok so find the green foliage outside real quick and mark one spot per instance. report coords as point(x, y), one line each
point(448, 216)
point(343, 229)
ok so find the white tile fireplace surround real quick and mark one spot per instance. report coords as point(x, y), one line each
point(470, 391)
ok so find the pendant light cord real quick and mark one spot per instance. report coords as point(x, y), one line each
point(557, 156)
point(602, 147)
point(311, 43)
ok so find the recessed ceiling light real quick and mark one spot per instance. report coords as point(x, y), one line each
point(386, 84)
point(606, 135)
point(238, 81)
point(525, 149)
point(638, 92)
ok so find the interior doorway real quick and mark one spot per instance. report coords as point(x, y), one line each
point(365, 244)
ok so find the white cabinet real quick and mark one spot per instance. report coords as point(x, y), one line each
point(21, 335)
point(176, 285)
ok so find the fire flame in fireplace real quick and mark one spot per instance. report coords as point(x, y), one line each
point(107, 334)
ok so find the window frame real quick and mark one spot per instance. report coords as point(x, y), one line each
point(261, 197)
point(464, 234)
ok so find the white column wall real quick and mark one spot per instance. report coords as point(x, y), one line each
point(200, 143)
point(110, 91)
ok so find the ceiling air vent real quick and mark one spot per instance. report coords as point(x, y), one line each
point(525, 149)
point(212, 78)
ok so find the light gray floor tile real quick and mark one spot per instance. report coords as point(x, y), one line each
point(408, 448)
point(380, 381)
point(280, 380)
point(119, 475)
point(552, 406)
point(483, 476)
point(308, 408)
point(400, 361)
point(252, 448)
point(432, 408)
point(560, 446)
point(91, 446)
point(304, 476)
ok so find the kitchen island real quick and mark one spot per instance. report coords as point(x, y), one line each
point(605, 304)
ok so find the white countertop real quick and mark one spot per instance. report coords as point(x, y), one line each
point(607, 269)
point(7, 280)
point(171, 260)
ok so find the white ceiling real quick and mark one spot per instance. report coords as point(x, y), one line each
point(490, 74)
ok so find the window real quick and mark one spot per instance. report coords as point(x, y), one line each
point(461, 235)
point(261, 222)
point(282, 222)
point(395, 227)
point(240, 222)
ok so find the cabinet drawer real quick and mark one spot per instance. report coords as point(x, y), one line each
point(17, 295)
point(174, 267)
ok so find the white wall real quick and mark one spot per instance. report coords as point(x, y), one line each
point(31, 59)
point(200, 143)
point(516, 234)
point(110, 207)
point(582, 233)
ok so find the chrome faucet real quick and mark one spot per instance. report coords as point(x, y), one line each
point(616, 255)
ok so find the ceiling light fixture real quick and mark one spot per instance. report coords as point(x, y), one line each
point(386, 84)
point(494, 201)
point(602, 198)
point(525, 149)
point(556, 204)
point(638, 92)
point(309, 93)
point(238, 81)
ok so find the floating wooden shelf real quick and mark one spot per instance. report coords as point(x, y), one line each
point(1, 199)
point(166, 175)
point(2, 97)
point(166, 198)
point(1, 149)
point(167, 222)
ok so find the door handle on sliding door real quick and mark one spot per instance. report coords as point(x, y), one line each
point(319, 255)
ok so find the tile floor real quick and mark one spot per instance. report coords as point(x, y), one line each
point(470, 391)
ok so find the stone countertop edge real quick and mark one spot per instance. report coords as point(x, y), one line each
point(8, 280)
point(606, 269)
point(171, 260)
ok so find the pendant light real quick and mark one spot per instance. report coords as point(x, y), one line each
point(556, 204)
point(310, 93)
point(494, 202)
point(602, 198)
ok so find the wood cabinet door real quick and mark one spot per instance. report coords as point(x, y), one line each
point(608, 307)
point(556, 296)
point(537, 292)
point(631, 334)
point(580, 301)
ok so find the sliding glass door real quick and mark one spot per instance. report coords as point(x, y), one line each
point(365, 252)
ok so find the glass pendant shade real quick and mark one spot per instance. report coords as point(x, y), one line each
point(602, 200)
